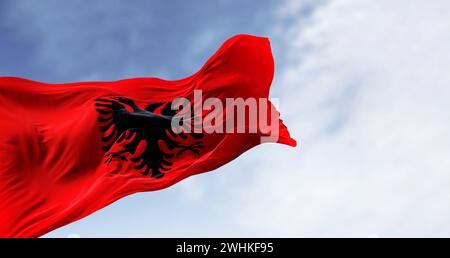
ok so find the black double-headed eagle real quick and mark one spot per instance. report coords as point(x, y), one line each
point(125, 123)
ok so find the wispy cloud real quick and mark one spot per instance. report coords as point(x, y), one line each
point(366, 88)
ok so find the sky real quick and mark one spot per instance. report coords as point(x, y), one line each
point(362, 85)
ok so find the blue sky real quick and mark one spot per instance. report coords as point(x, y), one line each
point(362, 84)
point(108, 40)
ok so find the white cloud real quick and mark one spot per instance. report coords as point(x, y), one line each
point(192, 190)
point(366, 89)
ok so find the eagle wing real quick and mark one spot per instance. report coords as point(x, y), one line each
point(152, 125)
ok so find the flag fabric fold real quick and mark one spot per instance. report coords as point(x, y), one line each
point(68, 150)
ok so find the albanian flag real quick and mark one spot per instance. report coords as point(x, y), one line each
point(68, 150)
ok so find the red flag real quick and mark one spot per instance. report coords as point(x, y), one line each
point(68, 150)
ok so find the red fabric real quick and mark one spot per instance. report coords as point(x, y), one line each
point(52, 166)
